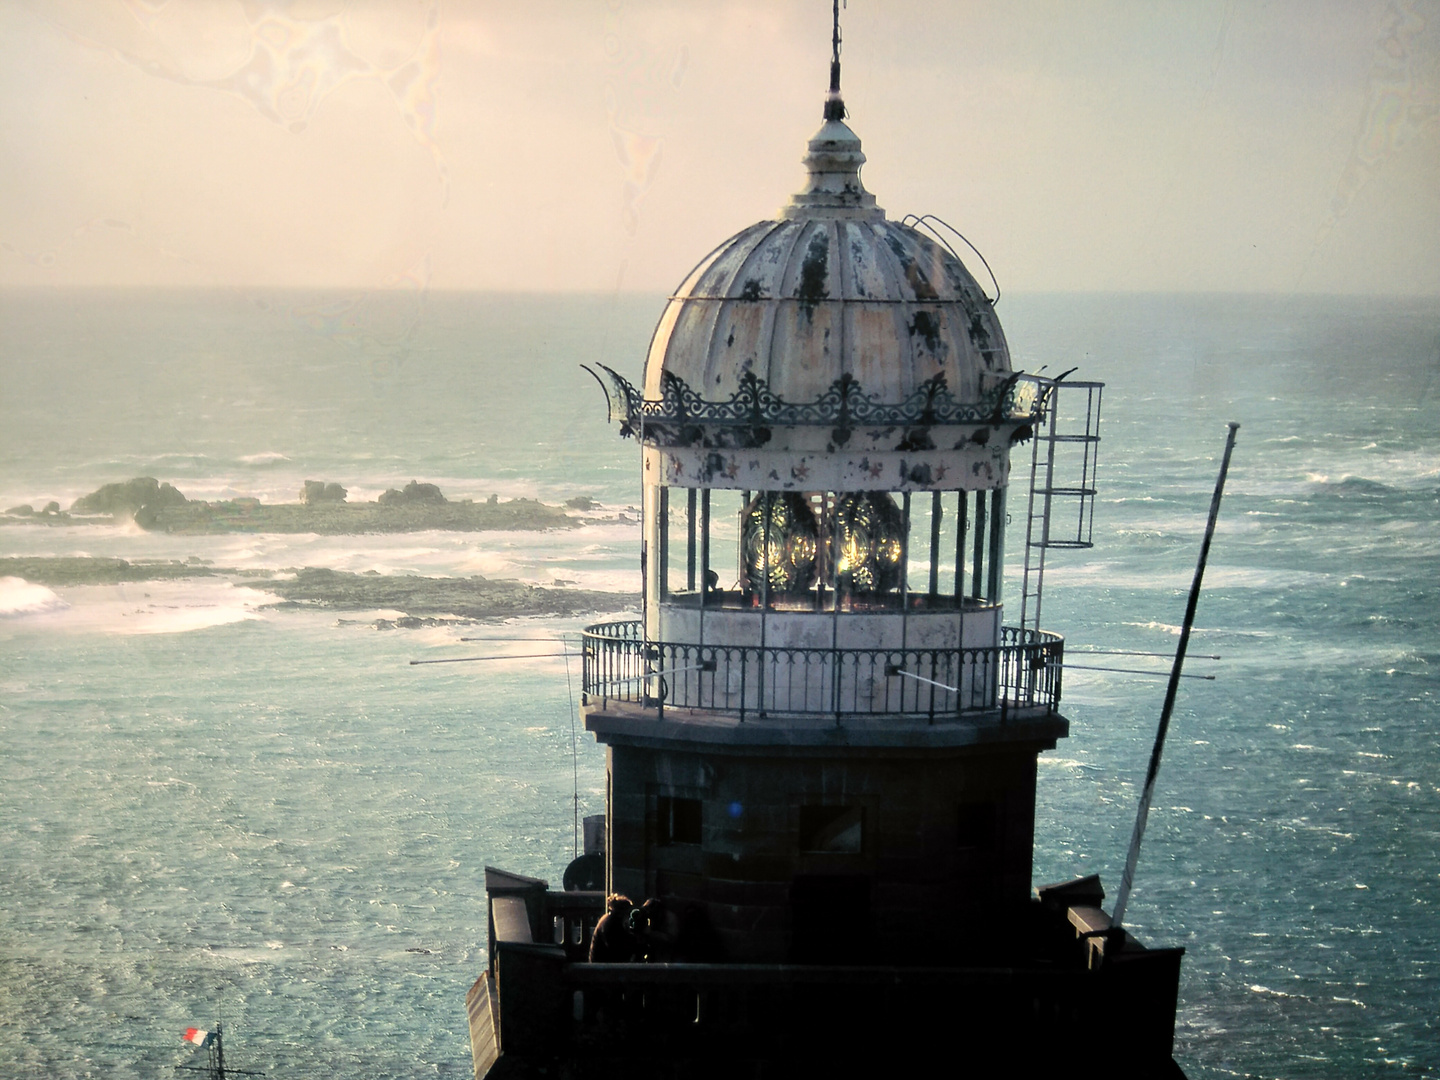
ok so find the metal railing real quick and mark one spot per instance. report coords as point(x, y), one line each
point(549, 1006)
point(1022, 672)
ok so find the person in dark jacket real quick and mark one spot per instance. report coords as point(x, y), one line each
point(613, 941)
point(656, 928)
point(696, 941)
point(675, 932)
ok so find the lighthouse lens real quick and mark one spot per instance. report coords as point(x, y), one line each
point(869, 534)
point(780, 541)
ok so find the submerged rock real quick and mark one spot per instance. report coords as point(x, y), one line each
point(91, 570)
point(424, 601)
point(51, 515)
point(471, 598)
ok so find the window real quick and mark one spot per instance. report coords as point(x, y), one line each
point(976, 826)
point(838, 830)
point(677, 820)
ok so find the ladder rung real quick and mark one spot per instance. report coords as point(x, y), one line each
point(1077, 491)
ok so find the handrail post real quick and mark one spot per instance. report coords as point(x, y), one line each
point(743, 651)
point(1057, 674)
point(584, 667)
point(933, 673)
point(960, 680)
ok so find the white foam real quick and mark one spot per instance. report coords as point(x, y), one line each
point(180, 620)
point(20, 597)
point(150, 607)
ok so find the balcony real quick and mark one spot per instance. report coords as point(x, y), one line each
point(1022, 673)
point(1062, 984)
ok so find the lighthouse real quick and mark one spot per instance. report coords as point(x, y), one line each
point(822, 730)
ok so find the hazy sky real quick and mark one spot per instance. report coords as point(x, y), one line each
point(603, 144)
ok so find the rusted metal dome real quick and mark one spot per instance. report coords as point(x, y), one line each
point(830, 289)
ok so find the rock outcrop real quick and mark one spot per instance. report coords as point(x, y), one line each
point(316, 491)
point(413, 493)
point(144, 493)
point(322, 509)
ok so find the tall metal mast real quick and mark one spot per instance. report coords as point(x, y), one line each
point(1143, 812)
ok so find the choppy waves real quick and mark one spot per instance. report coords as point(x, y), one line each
point(191, 777)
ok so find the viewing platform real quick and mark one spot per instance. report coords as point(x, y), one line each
point(1021, 676)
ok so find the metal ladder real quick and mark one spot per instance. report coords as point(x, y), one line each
point(1063, 458)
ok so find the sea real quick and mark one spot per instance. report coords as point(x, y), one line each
point(215, 808)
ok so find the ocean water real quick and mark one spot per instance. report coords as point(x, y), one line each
point(211, 808)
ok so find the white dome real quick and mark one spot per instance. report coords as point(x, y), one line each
point(830, 289)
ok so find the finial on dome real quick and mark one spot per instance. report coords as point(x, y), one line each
point(834, 189)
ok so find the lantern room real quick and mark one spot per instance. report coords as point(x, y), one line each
point(827, 420)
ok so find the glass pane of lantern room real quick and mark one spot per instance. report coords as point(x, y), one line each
point(725, 507)
point(932, 570)
point(675, 538)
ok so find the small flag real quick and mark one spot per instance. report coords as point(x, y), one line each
point(198, 1037)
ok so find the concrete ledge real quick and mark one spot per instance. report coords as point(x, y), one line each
point(633, 725)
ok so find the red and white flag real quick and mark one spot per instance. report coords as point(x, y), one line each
point(198, 1036)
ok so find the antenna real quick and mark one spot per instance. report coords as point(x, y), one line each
point(834, 105)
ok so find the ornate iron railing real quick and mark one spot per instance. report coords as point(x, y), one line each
point(845, 404)
point(1022, 672)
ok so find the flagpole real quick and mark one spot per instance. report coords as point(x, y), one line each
point(214, 1046)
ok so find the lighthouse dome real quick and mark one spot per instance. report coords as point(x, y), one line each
point(829, 289)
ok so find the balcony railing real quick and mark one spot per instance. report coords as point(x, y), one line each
point(1022, 672)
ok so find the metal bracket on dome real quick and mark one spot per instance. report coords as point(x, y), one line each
point(622, 401)
point(1019, 398)
point(929, 221)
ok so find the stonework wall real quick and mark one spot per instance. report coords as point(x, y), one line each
point(943, 845)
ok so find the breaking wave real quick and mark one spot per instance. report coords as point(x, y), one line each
point(20, 597)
